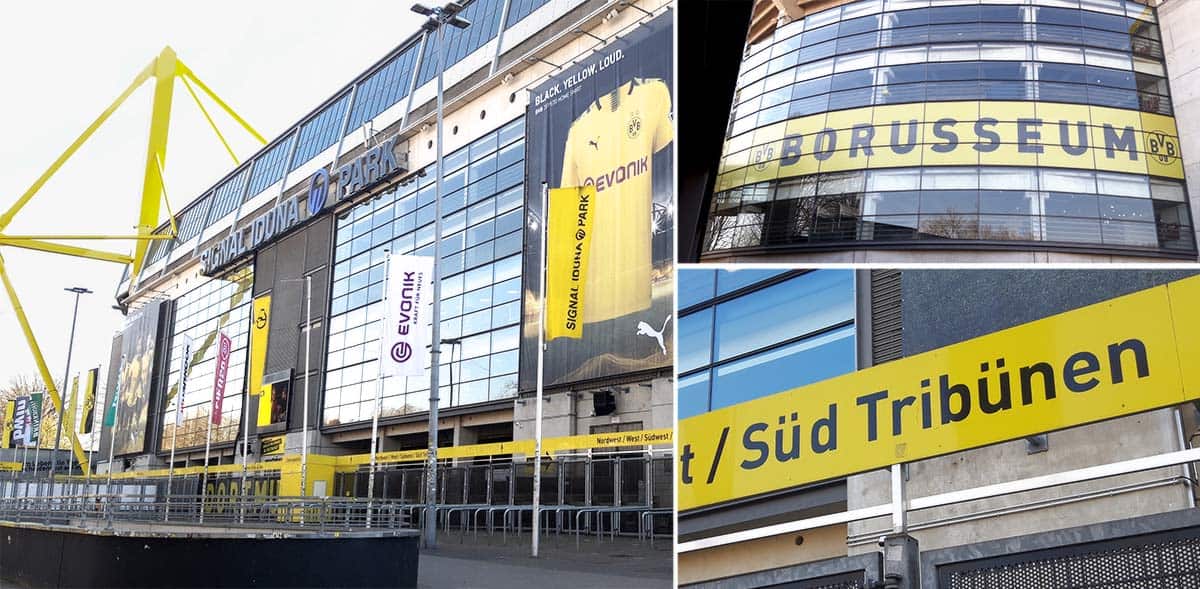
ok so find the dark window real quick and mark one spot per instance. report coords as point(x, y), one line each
point(966, 70)
point(854, 79)
point(811, 87)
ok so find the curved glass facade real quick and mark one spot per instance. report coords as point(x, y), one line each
point(904, 122)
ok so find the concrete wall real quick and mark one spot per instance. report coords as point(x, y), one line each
point(570, 413)
point(758, 555)
point(1181, 43)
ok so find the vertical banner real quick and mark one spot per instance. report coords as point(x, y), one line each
point(21, 422)
point(68, 416)
point(260, 327)
point(185, 364)
point(220, 375)
point(139, 342)
point(6, 441)
point(89, 401)
point(605, 123)
point(33, 435)
point(406, 306)
point(568, 247)
point(110, 410)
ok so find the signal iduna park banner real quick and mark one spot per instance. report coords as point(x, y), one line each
point(986, 133)
point(1126, 355)
point(606, 123)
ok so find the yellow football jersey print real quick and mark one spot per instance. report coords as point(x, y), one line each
point(611, 145)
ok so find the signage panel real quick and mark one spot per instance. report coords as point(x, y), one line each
point(984, 133)
point(1118, 357)
point(260, 328)
point(220, 375)
point(568, 245)
point(89, 401)
point(607, 123)
point(407, 308)
point(185, 364)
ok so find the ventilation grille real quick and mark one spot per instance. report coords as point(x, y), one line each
point(1174, 563)
point(887, 341)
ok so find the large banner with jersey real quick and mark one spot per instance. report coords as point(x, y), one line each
point(605, 123)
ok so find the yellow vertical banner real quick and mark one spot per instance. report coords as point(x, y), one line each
point(260, 326)
point(568, 241)
point(68, 416)
point(89, 401)
point(9, 410)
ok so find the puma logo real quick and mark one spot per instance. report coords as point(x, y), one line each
point(646, 330)
point(594, 144)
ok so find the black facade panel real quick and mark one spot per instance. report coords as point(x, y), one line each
point(942, 307)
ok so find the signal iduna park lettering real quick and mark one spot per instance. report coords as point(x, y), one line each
point(1123, 356)
point(956, 133)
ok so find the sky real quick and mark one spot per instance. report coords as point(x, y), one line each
point(65, 62)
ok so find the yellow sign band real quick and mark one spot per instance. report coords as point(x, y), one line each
point(967, 133)
point(1126, 355)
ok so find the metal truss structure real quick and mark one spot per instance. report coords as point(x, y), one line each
point(164, 69)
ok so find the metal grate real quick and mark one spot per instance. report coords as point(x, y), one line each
point(855, 580)
point(886, 320)
point(1171, 563)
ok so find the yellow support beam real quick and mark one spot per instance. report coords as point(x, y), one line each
point(212, 124)
point(189, 74)
point(66, 250)
point(40, 360)
point(156, 151)
point(79, 141)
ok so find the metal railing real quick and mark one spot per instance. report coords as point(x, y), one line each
point(292, 514)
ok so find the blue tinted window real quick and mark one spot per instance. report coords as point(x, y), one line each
point(787, 367)
point(784, 311)
point(384, 88)
point(519, 9)
point(694, 286)
point(731, 280)
point(693, 395)
point(268, 167)
point(320, 131)
point(695, 340)
point(459, 43)
point(228, 195)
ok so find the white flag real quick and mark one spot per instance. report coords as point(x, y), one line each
point(185, 361)
point(406, 313)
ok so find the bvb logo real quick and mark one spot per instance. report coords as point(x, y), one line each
point(762, 156)
point(1162, 146)
point(635, 125)
point(260, 320)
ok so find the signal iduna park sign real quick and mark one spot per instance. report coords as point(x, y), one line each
point(1122, 356)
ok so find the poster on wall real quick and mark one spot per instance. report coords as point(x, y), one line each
point(607, 122)
point(138, 342)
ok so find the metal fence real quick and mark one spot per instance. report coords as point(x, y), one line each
point(603, 496)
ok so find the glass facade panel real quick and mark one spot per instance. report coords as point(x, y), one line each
point(722, 364)
point(866, 54)
point(215, 305)
point(480, 287)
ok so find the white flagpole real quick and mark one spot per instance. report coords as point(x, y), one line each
point(180, 390)
point(541, 349)
point(383, 314)
point(245, 442)
point(112, 432)
point(87, 478)
point(207, 448)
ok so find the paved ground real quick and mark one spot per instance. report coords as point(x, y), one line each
point(625, 563)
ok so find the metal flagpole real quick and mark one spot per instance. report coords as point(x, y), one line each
point(387, 270)
point(307, 360)
point(66, 374)
point(245, 442)
point(541, 348)
point(70, 411)
point(184, 361)
point(112, 432)
point(208, 432)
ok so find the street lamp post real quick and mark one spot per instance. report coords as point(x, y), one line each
point(78, 290)
point(438, 17)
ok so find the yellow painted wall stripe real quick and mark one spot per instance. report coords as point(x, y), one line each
point(1126, 355)
point(983, 133)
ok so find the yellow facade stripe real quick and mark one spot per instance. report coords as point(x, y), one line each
point(1122, 356)
point(10, 466)
point(963, 133)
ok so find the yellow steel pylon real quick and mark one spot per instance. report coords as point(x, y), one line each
point(164, 69)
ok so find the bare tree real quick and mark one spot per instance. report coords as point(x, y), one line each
point(22, 385)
